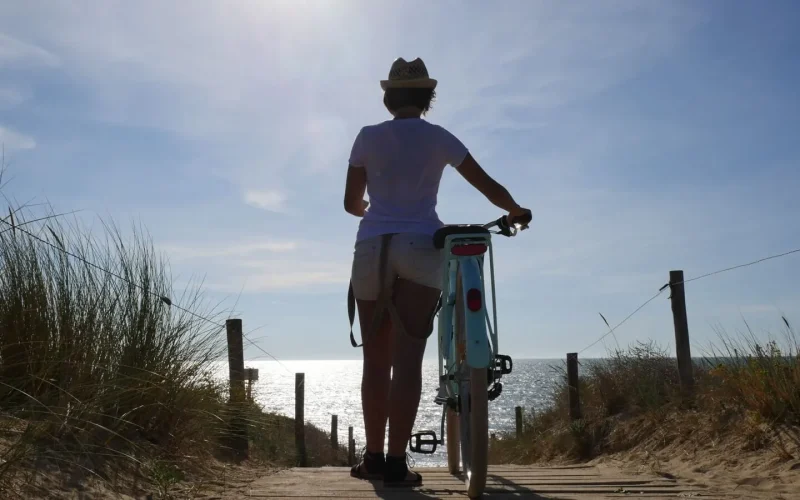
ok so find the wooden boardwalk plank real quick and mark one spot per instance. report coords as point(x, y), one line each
point(566, 483)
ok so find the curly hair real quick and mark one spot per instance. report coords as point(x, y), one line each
point(397, 98)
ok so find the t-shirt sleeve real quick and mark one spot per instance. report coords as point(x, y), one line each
point(452, 149)
point(357, 154)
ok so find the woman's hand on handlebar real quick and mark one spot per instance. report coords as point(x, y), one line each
point(519, 215)
point(507, 224)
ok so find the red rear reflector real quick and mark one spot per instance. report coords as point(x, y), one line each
point(474, 302)
point(469, 250)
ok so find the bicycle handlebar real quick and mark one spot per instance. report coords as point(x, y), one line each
point(506, 229)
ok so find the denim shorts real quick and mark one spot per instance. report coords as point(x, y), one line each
point(411, 257)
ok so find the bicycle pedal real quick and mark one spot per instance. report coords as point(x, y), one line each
point(503, 365)
point(424, 442)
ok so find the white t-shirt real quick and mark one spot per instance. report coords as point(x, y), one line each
point(404, 160)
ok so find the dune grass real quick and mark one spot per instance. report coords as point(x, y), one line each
point(746, 391)
point(100, 376)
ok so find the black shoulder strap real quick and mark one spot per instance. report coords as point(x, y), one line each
point(436, 311)
point(351, 312)
point(383, 298)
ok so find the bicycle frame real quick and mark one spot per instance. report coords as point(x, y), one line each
point(463, 255)
point(479, 348)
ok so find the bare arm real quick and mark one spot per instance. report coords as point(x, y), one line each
point(480, 180)
point(355, 187)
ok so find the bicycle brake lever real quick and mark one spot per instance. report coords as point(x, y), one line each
point(505, 227)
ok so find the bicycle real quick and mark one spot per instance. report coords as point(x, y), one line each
point(470, 366)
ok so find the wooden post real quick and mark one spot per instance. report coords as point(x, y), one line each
point(335, 432)
point(682, 349)
point(300, 418)
point(233, 328)
point(351, 446)
point(238, 427)
point(518, 415)
point(572, 380)
point(251, 375)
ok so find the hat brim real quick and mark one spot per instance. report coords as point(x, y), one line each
point(421, 83)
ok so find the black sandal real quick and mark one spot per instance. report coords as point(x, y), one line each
point(370, 468)
point(396, 474)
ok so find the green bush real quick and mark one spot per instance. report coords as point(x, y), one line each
point(99, 373)
point(748, 388)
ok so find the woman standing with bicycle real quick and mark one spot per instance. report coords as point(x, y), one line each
point(396, 273)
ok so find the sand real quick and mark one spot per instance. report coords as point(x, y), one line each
point(731, 467)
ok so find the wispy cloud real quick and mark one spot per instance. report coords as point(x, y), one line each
point(782, 305)
point(181, 252)
point(12, 140)
point(18, 53)
point(298, 273)
point(295, 276)
point(11, 97)
point(262, 266)
point(759, 309)
point(269, 199)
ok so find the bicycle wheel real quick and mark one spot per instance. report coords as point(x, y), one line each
point(474, 427)
point(453, 440)
point(454, 359)
point(473, 413)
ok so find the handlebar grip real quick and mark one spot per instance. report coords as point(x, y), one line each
point(508, 228)
point(502, 223)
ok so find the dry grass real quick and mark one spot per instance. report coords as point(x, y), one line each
point(100, 377)
point(746, 395)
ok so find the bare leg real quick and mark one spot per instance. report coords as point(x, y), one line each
point(375, 379)
point(415, 305)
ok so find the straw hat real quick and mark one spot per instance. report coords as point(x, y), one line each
point(404, 74)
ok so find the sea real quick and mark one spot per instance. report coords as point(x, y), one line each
point(332, 387)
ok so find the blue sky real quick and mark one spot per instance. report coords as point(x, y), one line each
point(645, 136)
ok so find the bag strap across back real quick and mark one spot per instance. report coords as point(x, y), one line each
point(384, 301)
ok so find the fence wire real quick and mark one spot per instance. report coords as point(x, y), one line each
point(12, 226)
point(689, 280)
